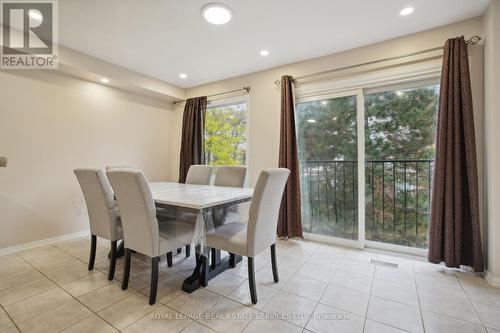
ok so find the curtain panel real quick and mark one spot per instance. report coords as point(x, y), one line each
point(193, 135)
point(290, 218)
point(455, 236)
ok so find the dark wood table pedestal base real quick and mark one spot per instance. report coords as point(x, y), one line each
point(204, 271)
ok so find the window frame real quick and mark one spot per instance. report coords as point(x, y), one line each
point(401, 77)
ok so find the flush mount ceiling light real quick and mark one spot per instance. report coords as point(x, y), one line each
point(264, 53)
point(35, 14)
point(183, 76)
point(406, 11)
point(216, 13)
point(312, 121)
point(104, 80)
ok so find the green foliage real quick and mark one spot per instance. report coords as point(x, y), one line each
point(399, 125)
point(225, 138)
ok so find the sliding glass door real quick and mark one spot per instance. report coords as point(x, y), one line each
point(327, 128)
point(400, 129)
point(366, 164)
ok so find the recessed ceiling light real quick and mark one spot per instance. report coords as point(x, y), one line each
point(183, 76)
point(216, 13)
point(312, 121)
point(264, 53)
point(104, 80)
point(406, 11)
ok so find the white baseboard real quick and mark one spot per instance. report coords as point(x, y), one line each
point(493, 280)
point(47, 241)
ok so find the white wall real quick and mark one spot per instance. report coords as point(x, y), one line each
point(265, 96)
point(492, 137)
point(51, 124)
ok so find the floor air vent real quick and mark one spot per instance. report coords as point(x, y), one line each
point(383, 263)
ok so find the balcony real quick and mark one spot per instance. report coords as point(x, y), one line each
point(397, 200)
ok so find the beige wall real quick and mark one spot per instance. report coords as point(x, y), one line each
point(492, 137)
point(265, 97)
point(51, 124)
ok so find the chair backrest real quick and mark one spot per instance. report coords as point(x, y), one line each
point(137, 210)
point(199, 174)
point(264, 209)
point(101, 205)
point(232, 176)
point(118, 166)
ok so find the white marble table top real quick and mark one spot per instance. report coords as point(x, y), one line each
point(197, 196)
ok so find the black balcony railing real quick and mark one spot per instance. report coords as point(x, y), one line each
point(397, 199)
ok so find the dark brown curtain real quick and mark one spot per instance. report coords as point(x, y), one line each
point(290, 221)
point(455, 238)
point(193, 135)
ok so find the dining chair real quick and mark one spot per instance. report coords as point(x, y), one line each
point(231, 176)
point(104, 216)
point(142, 231)
point(122, 166)
point(199, 174)
point(259, 233)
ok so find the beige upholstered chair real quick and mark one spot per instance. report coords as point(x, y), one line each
point(118, 166)
point(231, 176)
point(199, 174)
point(141, 231)
point(249, 239)
point(103, 212)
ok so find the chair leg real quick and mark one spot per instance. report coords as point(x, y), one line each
point(179, 250)
point(169, 259)
point(232, 260)
point(188, 251)
point(251, 280)
point(112, 261)
point(126, 269)
point(273, 263)
point(93, 245)
point(155, 262)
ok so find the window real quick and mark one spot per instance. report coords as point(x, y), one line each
point(327, 132)
point(391, 130)
point(400, 126)
point(225, 133)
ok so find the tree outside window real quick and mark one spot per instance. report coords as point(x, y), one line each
point(225, 134)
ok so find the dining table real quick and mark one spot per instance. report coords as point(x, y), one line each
point(205, 207)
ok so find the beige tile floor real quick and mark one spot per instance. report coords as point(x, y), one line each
point(322, 288)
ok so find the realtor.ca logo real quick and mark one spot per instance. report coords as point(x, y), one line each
point(29, 34)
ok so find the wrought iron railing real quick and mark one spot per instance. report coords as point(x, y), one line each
point(397, 199)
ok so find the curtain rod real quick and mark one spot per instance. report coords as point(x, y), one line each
point(471, 41)
point(247, 89)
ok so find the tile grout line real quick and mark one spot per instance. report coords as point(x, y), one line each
point(12, 320)
point(369, 298)
point(58, 304)
point(324, 291)
point(473, 306)
point(418, 297)
point(450, 295)
point(93, 312)
point(36, 294)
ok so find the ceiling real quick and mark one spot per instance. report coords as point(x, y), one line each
point(163, 38)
